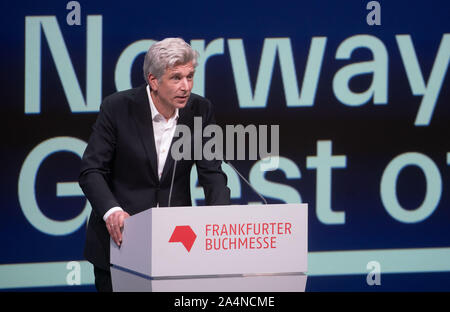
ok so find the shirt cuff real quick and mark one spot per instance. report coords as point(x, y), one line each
point(111, 211)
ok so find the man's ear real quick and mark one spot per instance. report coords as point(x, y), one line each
point(153, 82)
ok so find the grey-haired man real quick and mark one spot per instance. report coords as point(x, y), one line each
point(127, 167)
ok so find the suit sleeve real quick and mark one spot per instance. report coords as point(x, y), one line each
point(210, 174)
point(97, 161)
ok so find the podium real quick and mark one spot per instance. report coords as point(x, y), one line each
point(248, 248)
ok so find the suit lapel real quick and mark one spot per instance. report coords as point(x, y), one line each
point(143, 117)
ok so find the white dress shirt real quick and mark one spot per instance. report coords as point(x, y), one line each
point(163, 131)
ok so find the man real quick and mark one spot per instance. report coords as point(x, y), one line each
point(127, 166)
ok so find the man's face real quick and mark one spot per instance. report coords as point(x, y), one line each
point(174, 87)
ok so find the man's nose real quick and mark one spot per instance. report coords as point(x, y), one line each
point(184, 84)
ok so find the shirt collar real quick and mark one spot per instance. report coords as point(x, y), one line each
point(156, 115)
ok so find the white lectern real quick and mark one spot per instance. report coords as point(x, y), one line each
point(213, 248)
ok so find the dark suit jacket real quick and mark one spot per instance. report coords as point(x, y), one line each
point(119, 166)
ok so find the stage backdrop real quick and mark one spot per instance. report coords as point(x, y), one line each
point(359, 89)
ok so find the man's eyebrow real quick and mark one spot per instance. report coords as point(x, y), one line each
point(180, 73)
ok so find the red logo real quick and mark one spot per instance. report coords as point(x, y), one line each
point(183, 234)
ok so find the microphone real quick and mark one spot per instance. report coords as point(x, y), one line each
point(171, 182)
point(248, 183)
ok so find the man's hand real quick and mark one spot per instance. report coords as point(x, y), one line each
point(114, 224)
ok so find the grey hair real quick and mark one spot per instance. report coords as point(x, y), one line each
point(166, 54)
